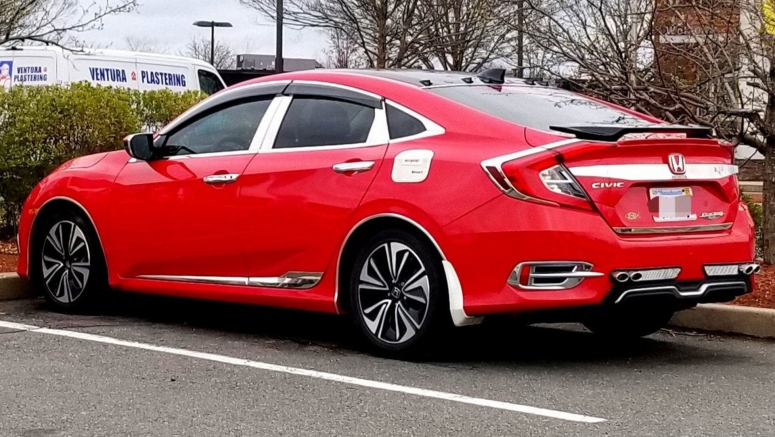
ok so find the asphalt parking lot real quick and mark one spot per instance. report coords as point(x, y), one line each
point(166, 367)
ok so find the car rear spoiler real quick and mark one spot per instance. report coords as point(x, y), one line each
point(615, 132)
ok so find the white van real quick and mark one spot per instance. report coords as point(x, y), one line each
point(43, 65)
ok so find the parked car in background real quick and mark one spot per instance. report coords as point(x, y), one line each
point(45, 65)
point(412, 200)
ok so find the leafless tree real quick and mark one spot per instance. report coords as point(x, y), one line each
point(199, 48)
point(51, 21)
point(707, 62)
point(141, 44)
point(342, 52)
point(467, 34)
point(388, 33)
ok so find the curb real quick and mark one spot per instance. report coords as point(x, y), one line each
point(13, 287)
point(754, 322)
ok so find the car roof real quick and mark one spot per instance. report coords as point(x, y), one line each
point(425, 78)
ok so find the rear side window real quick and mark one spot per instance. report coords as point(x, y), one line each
point(316, 121)
point(537, 108)
point(209, 83)
point(401, 124)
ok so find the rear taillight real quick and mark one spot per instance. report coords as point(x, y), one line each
point(559, 180)
point(538, 175)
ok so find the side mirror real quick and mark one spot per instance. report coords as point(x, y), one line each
point(139, 146)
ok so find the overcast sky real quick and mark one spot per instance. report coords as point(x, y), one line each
point(168, 25)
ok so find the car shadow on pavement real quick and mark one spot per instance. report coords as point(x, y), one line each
point(503, 342)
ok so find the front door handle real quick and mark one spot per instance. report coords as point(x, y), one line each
point(354, 167)
point(217, 179)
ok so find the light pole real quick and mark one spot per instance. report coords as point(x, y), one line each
point(278, 62)
point(212, 25)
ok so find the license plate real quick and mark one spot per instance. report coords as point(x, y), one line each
point(672, 204)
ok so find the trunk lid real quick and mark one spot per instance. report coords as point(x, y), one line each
point(659, 184)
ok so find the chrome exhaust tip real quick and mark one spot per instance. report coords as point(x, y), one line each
point(749, 269)
point(621, 276)
point(757, 269)
point(637, 276)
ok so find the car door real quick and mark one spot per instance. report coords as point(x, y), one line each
point(179, 211)
point(300, 191)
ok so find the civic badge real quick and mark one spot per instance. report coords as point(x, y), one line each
point(712, 215)
point(632, 216)
point(677, 163)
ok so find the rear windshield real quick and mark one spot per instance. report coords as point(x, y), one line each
point(535, 107)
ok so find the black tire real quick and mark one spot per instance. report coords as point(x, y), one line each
point(67, 263)
point(387, 303)
point(628, 323)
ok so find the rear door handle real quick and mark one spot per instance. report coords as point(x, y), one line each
point(221, 179)
point(354, 167)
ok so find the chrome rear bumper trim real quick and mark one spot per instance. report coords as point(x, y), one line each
point(673, 229)
point(679, 293)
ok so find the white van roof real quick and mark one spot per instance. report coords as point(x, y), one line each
point(115, 53)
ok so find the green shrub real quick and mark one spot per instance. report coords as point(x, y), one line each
point(157, 108)
point(42, 127)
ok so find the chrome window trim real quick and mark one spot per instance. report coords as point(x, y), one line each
point(656, 172)
point(255, 144)
point(223, 95)
point(378, 134)
point(273, 128)
point(266, 123)
point(432, 129)
point(678, 293)
point(290, 280)
point(672, 229)
point(205, 155)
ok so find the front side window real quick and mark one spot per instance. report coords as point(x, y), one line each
point(209, 83)
point(227, 130)
point(537, 108)
point(319, 121)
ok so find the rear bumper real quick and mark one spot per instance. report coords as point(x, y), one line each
point(486, 244)
point(682, 292)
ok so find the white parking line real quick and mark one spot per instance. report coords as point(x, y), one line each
point(310, 373)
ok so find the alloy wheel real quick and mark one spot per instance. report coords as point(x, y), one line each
point(66, 262)
point(393, 293)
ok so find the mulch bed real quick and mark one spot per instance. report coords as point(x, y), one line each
point(764, 291)
point(8, 256)
point(762, 297)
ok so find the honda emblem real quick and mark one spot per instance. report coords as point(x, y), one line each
point(677, 163)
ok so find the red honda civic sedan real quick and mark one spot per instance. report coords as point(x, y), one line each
point(411, 200)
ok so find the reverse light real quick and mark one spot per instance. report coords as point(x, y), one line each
point(559, 180)
point(538, 175)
